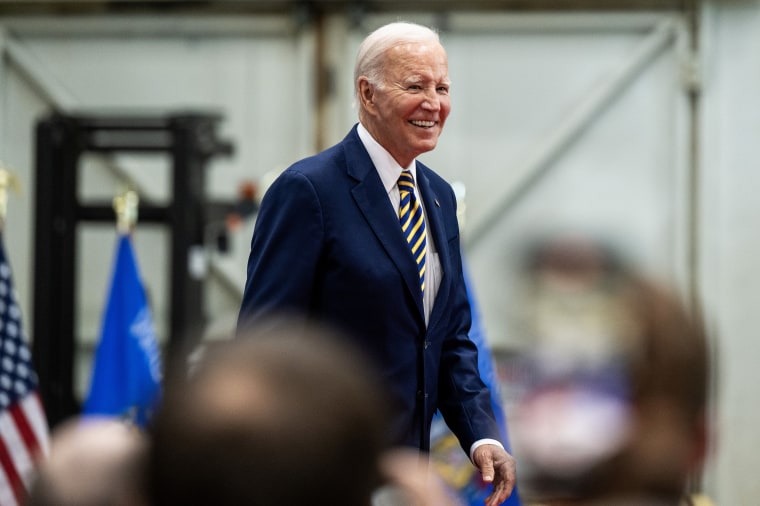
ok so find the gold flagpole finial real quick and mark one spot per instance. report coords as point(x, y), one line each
point(125, 206)
point(8, 180)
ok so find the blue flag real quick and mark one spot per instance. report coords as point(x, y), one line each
point(451, 463)
point(126, 379)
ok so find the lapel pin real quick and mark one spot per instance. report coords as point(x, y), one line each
point(436, 203)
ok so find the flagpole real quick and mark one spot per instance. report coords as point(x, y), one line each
point(7, 180)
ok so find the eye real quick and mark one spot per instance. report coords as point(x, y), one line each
point(443, 90)
point(415, 87)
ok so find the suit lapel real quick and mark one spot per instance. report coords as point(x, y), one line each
point(372, 200)
point(436, 229)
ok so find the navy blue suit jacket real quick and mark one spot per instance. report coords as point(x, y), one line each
point(327, 243)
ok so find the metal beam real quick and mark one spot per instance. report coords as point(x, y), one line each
point(538, 161)
point(37, 76)
point(89, 7)
point(480, 23)
point(137, 25)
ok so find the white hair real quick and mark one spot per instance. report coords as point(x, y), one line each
point(370, 60)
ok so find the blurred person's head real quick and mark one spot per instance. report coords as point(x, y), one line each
point(285, 414)
point(92, 462)
point(620, 410)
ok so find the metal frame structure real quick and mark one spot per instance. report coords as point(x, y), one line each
point(190, 140)
point(16, 56)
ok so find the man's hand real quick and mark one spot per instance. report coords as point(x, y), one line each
point(497, 467)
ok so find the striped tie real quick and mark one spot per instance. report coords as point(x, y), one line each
point(412, 222)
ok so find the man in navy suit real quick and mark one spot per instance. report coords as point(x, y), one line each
point(328, 243)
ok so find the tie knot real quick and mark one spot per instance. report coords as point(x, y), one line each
point(406, 181)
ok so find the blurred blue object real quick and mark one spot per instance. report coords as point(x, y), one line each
point(126, 379)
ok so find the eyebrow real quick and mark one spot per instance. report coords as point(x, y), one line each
point(419, 79)
point(414, 79)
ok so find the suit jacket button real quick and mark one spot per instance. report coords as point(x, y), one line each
point(427, 343)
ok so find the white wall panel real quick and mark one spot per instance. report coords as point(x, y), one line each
point(731, 214)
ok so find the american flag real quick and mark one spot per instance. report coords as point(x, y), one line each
point(23, 426)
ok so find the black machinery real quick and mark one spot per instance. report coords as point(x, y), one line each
point(190, 140)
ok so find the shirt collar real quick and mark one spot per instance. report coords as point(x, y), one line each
point(386, 166)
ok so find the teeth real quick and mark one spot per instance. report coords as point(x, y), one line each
point(426, 124)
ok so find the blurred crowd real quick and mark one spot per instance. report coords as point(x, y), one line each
point(613, 410)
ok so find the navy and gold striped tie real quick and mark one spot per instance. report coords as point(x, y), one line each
point(412, 222)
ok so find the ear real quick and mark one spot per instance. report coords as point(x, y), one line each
point(366, 94)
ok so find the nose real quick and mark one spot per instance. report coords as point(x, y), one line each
point(432, 100)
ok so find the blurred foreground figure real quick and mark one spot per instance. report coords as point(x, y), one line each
point(614, 412)
point(412, 482)
point(92, 462)
point(285, 416)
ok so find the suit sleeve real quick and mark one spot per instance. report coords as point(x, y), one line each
point(465, 401)
point(285, 250)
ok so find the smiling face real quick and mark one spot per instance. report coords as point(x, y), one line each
point(407, 111)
